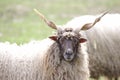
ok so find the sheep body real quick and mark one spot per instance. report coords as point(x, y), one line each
point(19, 62)
point(40, 61)
point(103, 44)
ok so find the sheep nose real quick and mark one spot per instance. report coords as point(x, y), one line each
point(69, 52)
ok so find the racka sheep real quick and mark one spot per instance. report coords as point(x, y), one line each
point(103, 45)
point(19, 62)
point(66, 58)
point(62, 57)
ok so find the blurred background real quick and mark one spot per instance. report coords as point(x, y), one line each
point(20, 24)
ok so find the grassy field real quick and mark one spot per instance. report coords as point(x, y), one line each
point(20, 24)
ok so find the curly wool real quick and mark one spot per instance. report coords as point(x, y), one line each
point(18, 62)
point(39, 60)
point(53, 68)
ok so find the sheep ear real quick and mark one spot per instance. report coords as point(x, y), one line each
point(82, 40)
point(53, 38)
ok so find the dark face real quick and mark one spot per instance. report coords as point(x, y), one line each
point(68, 47)
point(68, 42)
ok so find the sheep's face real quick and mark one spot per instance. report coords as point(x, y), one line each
point(68, 46)
point(68, 39)
point(68, 42)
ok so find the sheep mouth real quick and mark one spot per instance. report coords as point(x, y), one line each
point(68, 58)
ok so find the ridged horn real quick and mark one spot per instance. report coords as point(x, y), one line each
point(49, 23)
point(90, 25)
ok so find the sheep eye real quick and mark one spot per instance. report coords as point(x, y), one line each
point(75, 40)
point(61, 39)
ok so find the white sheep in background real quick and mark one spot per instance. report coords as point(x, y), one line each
point(62, 58)
point(103, 44)
point(19, 62)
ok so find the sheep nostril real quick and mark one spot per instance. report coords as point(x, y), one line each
point(69, 52)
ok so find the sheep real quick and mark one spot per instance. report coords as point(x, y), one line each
point(66, 58)
point(61, 57)
point(19, 62)
point(103, 45)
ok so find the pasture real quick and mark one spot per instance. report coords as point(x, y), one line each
point(20, 24)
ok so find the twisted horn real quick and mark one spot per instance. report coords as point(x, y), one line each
point(89, 25)
point(49, 23)
point(96, 20)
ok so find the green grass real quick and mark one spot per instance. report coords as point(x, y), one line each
point(20, 24)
